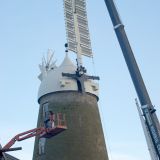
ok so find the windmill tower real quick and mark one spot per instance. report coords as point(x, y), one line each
point(68, 89)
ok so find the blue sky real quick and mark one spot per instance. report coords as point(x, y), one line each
point(29, 28)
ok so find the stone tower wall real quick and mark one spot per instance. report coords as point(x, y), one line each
point(84, 139)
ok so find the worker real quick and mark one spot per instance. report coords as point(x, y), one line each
point(52, 119)
point(50, 122)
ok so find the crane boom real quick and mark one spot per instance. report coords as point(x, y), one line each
point(147, 108)
point(151, 148)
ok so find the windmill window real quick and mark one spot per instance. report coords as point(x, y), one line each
point(42, 142)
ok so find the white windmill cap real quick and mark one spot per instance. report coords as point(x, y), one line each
point(53, 81)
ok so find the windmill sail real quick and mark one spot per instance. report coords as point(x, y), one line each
point(78, 37)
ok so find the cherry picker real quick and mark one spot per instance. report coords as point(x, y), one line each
point(45, 132)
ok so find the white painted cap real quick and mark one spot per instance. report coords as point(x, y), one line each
point(53, 80)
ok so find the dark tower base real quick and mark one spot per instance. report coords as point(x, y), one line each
point(84, 139)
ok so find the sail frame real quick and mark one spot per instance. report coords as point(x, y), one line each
point(78, 37)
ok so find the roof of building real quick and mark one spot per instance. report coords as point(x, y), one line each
point(9, 157)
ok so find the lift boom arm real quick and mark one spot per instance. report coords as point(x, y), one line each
point(42, 132)
point(24, 135)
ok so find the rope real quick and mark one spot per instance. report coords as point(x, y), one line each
point(93, 64)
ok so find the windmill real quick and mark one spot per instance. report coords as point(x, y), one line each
point(70, 90)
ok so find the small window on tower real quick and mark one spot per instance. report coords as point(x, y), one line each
point(42, 142)
point(62, 83)
point(45, 111)
point(95, 87)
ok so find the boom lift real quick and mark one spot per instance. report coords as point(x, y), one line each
point(149, 119)
point(45, 132)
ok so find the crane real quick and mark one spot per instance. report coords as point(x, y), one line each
point(150, 120)
point(45, 132)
